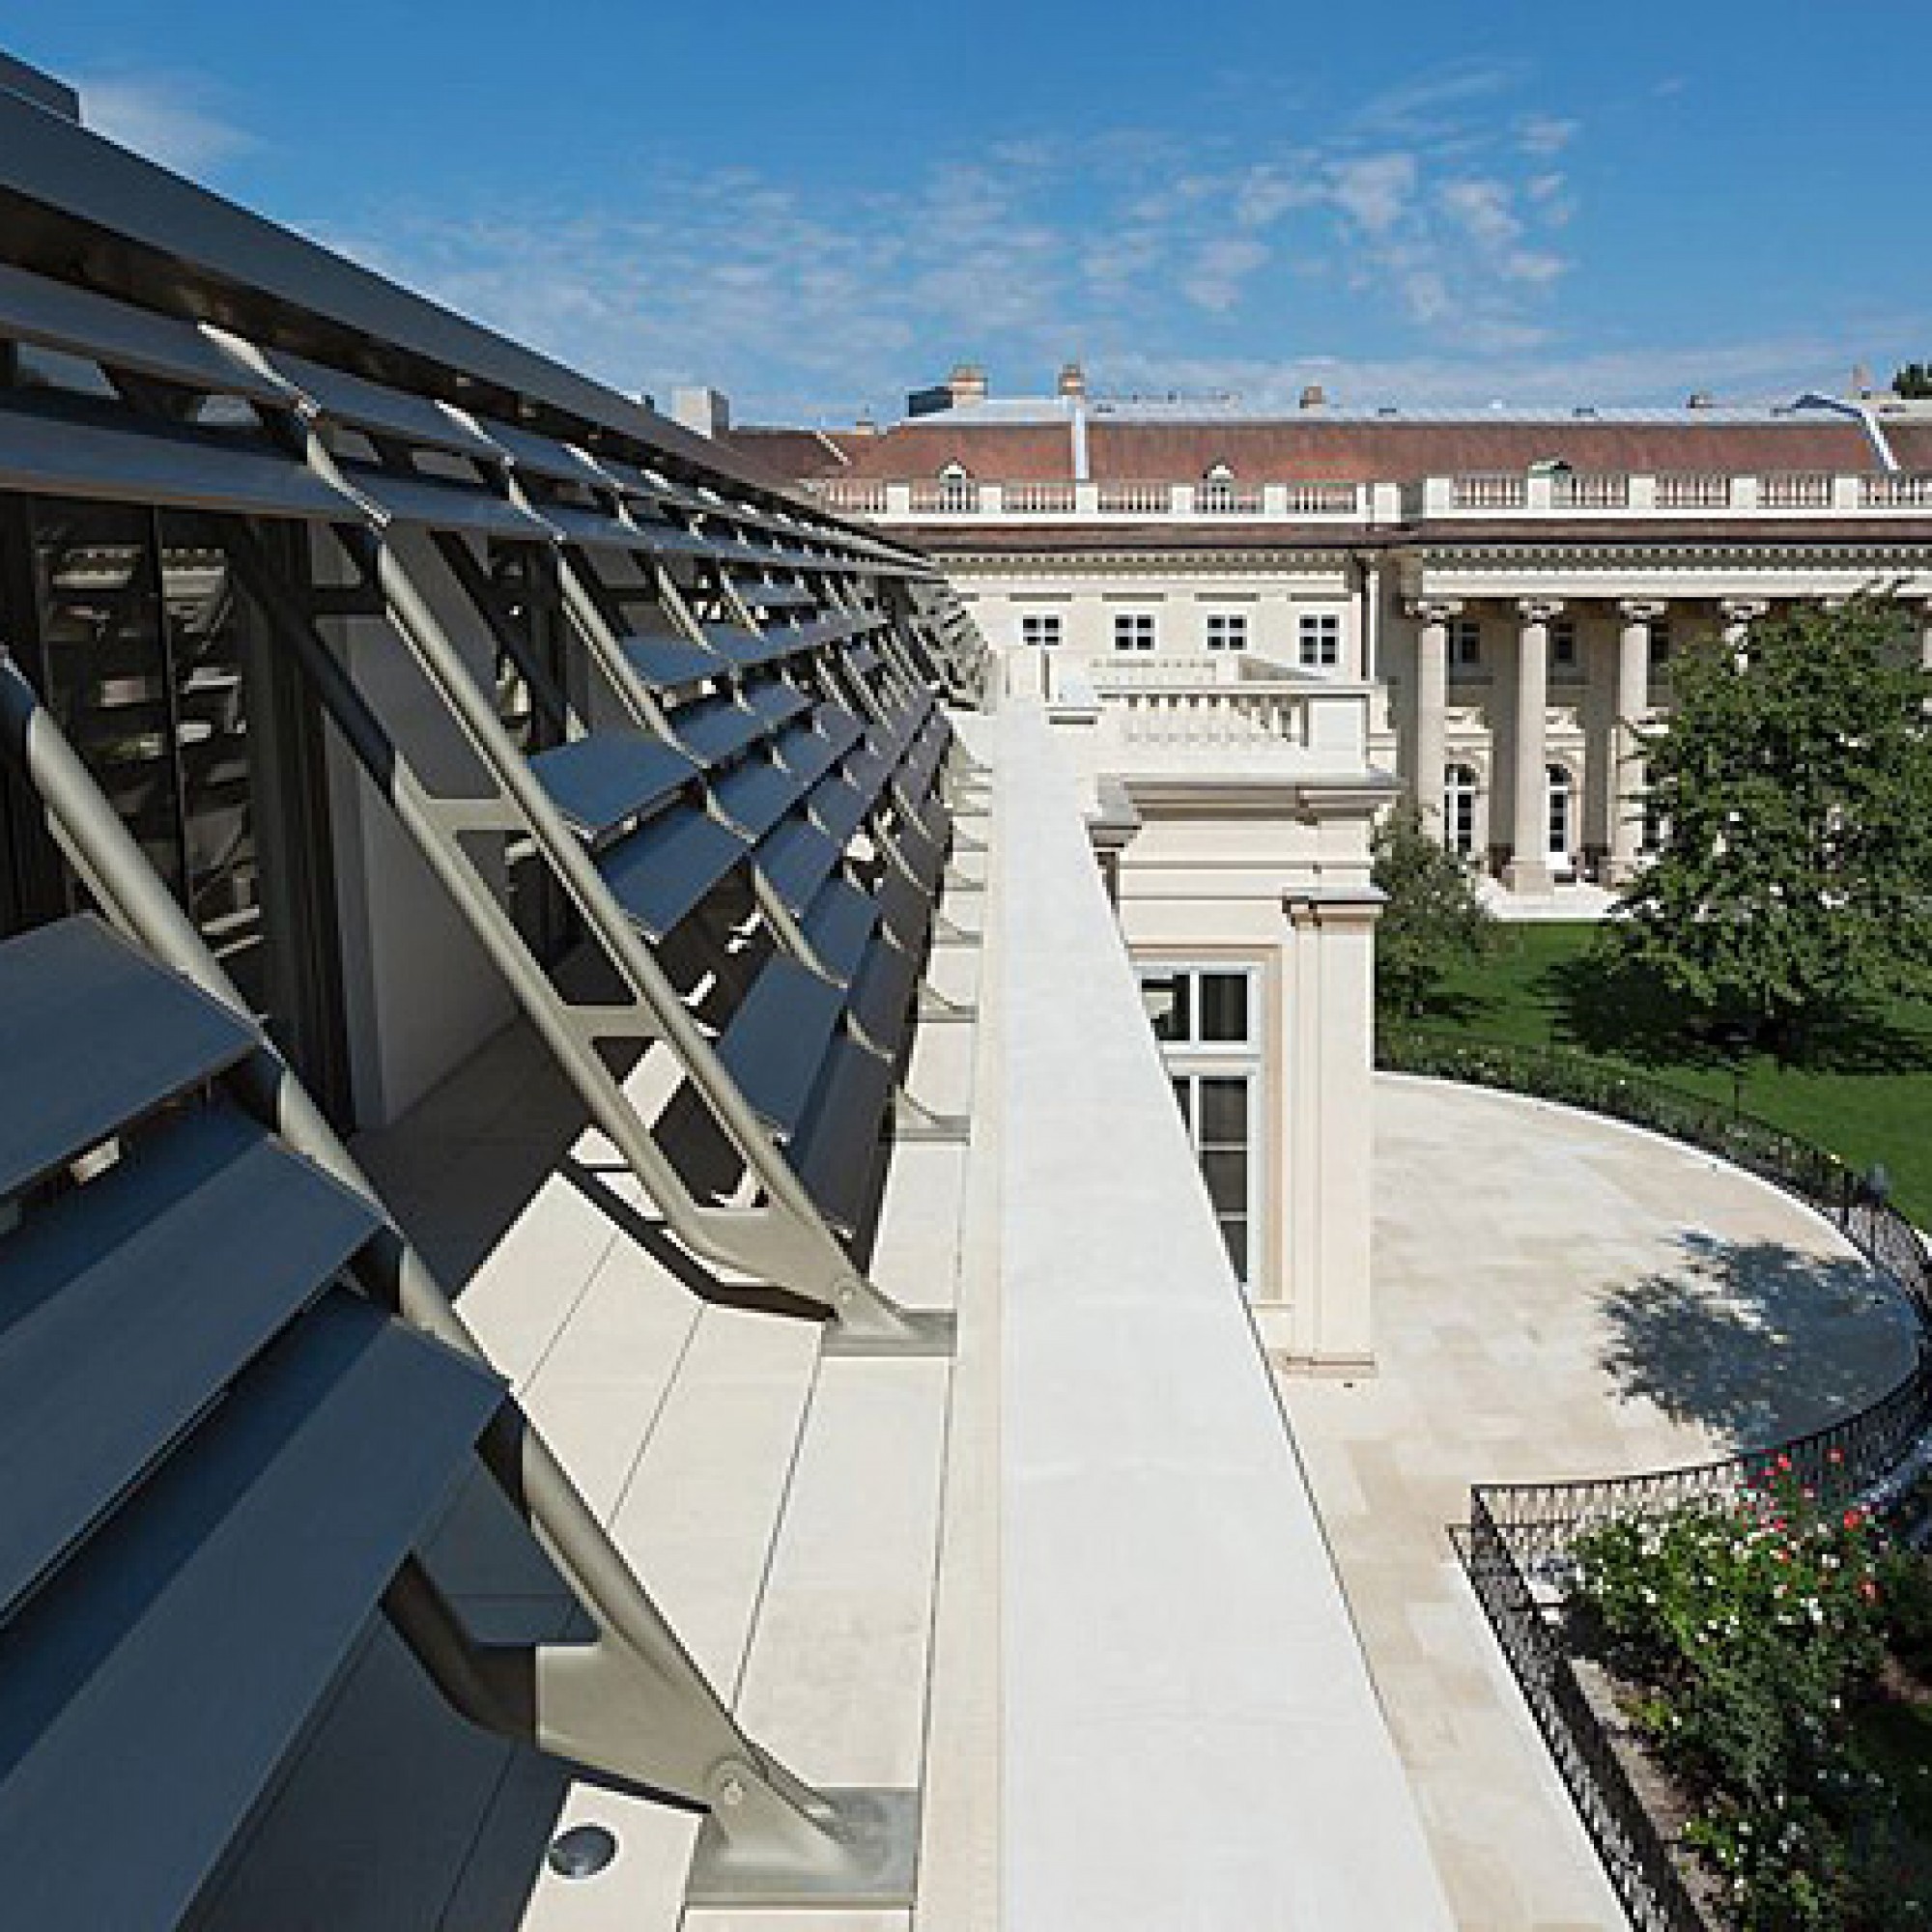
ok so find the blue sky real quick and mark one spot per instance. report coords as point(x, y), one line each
point(818, 206)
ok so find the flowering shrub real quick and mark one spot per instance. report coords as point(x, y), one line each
point(1748, 1629)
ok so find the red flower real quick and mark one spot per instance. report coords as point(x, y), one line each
point(1868, 1590)
point(1834, 1455)
point(1852, 1517)
point(1784, 1465)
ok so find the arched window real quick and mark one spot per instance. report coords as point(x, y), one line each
point(1561, 794)
point(958, 494)
point(1216, 494)
point(1459, 809)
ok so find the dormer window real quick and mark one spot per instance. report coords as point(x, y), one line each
point(958, 494)
point(1217, 490)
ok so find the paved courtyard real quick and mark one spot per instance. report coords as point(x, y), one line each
point(1556, 1297)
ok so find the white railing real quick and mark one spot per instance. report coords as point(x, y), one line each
point(1135, 500)
point(841, 492)
point(1190, 714)
point(1535, 492)
point(1583, 490)
point(1039, 499)
point(1795, 489)
point(1691, 490)
point(1489, 493)
point(1895, 493)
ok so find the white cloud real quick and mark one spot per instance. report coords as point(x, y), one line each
point(1482, 208)
point(1545, 134)
point(1375, 191)
point(169, 118)
point(1221, 269)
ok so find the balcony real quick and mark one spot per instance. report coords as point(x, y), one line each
point(1571, 495)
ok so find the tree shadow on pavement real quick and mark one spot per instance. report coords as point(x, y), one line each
point(1754, 1340)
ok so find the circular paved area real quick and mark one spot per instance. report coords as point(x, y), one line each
point(1556, 1296)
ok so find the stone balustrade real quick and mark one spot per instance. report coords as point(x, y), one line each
point(1611, 497)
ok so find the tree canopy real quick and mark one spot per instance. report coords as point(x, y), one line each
point(1794, 783)
point(1913, 379)
point(1433, 920)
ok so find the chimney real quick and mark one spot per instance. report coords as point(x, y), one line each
point(1315, 397)
point(1701, 399)
point(707, 412)
point(1072, 381)
point(967, 383)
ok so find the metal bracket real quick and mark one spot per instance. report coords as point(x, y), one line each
point(866, 1854)
point(934, 1006)
point(914, 1120)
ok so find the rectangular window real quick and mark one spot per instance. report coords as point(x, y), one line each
point(1320, 638)
point(1133, 629)
point(1206, 1019)
point(1466, 641)
point(1563, 643)
point(1227, 630)
point(1659, 643)
point(1041, 631)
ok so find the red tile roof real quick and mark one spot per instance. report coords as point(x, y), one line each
point(988, 452)
point(1355, 451)
point(1911, 442)
point(789, 454)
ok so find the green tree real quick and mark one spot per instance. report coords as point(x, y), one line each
point(1794, 785)
point(1433, 920)
point(1913, 379)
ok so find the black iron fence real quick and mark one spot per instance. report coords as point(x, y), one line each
point(1520, 1534)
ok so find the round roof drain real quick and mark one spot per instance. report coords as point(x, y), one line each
point(583, 1851)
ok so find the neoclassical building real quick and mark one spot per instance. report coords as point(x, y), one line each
point(1510, 584)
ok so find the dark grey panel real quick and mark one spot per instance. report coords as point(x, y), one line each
point(777, 704)
point(154, 1682)
point(127, 1306)
point(443, 505)
point(364, 404)
point(592, 529)
point(883, 993)
point(805, 754)
point(59, 316)
point(599, 781)
point(78, 452)
point(837, 1152)
point(542, 455)
point(666, 662)
point(796, 857)
point(664, 870)
point(906, 910)
point(839, 808)
point(777, 1041)
point(754, 794)
point(839, 923)
point(924, 857)
point(714, 729)
point(738, 646)
point(862, 657)
point(93, 1035)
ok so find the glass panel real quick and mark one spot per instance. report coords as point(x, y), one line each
point(1224, 1111)
point(1227, 1178)
point(1183, 1093)
point(1224, 1005)
point(1166, 998)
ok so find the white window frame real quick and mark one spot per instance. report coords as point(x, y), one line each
point(1563, 649)
point(1188, 1062)
point(1135, 631)
point(1466, 644)
point(1559, 783)
point(1319, 640)
point(1227, 631)
point(1462, 788)
point(1041, 630)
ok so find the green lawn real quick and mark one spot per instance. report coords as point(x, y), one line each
point(1868, 1096)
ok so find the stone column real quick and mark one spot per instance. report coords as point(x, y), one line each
point(1326, 1154)
point(1627, 763)
point(1431, 705)
point(1529, 836)
point(1925, 633)
point(1740, 614)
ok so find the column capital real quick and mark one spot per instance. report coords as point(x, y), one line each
point(1743, 609)
point(1641, 609)
point(1539, 609)
point(1433, 609)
